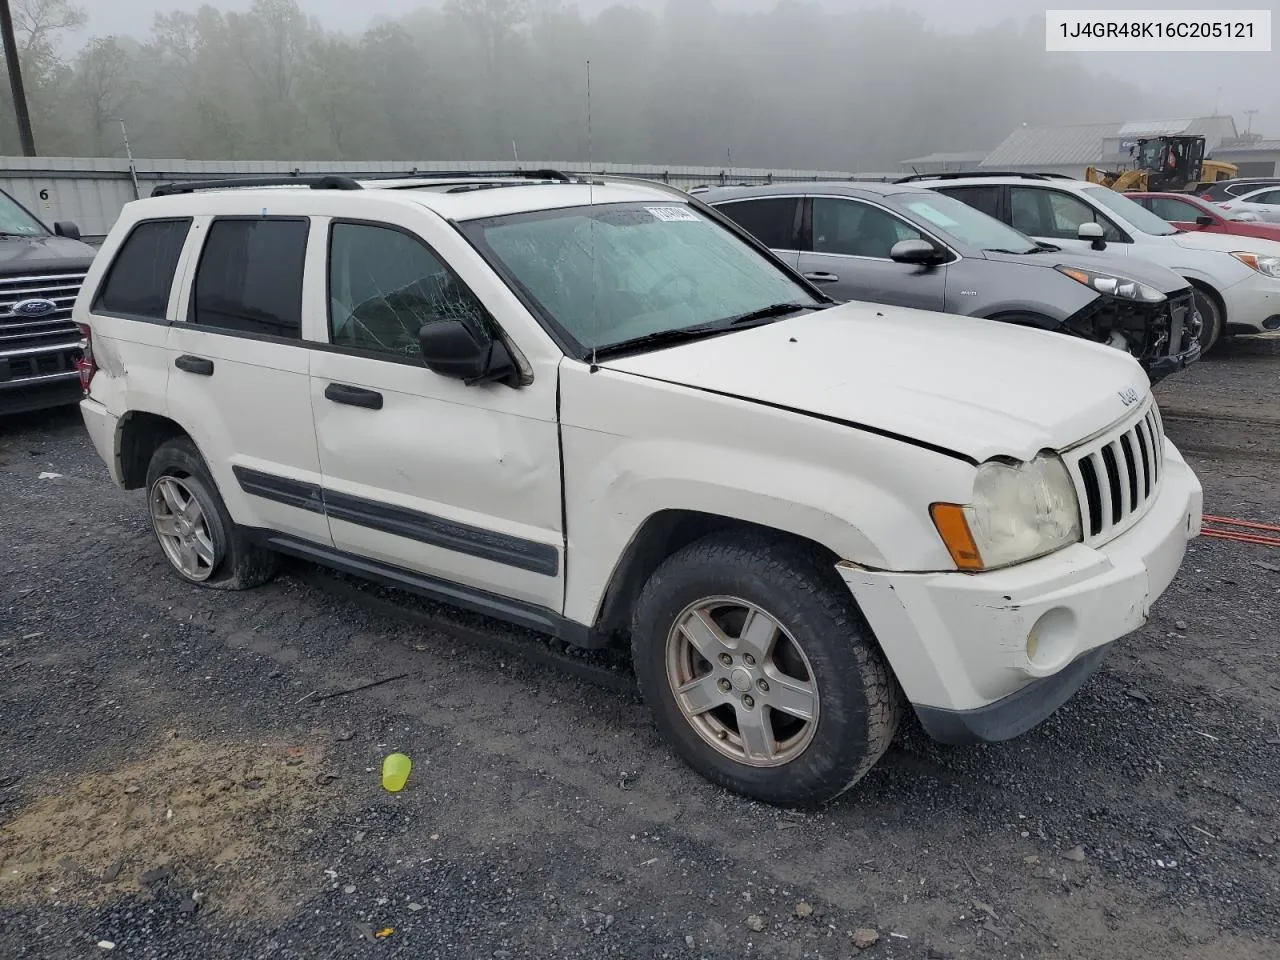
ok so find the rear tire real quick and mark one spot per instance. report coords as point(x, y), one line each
point(736, 640)
point(1211, 319)
point(193, 528)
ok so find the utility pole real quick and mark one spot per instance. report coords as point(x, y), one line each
point(1249, 126)
point(15, 82)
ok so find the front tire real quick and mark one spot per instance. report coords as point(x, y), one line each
point(192, 525)
point(1211, 319)
point(760, 670)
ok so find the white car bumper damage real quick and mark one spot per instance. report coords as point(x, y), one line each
point(989, 656)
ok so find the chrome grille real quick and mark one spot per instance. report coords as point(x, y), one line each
point(1118, 475)
point(24, 335)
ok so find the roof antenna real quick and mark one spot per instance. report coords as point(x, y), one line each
point(591, 228)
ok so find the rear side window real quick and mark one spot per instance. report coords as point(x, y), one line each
point(1175, 211)
point(771, 220)
point(141, 275)
point(985, 198)
point(250, 277)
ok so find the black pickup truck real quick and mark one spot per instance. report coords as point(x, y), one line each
point(40, 274)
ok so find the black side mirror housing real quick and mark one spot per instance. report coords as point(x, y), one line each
point(66, 228)
point(1204, 220)
point(920, 252)
point(451, 349)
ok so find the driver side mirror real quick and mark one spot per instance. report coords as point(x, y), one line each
point(1204, 220)
point(916, 251)
point(1094, 234)
point(66, 228)
point(451, 349)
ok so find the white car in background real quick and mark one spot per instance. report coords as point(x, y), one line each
point(1263, 203)
point(1236, 279)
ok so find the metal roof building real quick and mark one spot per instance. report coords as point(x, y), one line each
point(1258, 159)
point(1071, 149)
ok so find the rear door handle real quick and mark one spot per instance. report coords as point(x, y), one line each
point(353, 396)
point(197, 365)
point(822, 277)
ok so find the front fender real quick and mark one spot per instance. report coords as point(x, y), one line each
point(642, 447)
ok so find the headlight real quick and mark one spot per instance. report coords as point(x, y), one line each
point(1267, 265)
point(1113, 286)
point(1019, 512)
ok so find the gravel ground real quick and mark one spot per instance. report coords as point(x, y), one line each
point(183, 774)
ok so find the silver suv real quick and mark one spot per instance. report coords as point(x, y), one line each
point(911, 247)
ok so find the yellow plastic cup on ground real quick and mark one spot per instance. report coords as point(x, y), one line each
point(395, 771)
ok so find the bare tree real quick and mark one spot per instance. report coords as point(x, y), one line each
point(103, 84)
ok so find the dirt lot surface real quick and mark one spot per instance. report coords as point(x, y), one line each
point(183, 773)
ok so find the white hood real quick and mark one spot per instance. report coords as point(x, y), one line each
point(1227, 243)
point(976, 387)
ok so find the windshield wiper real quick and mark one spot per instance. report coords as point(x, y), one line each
point(665, 338)
point(1042, 247)
point(660, 339)
point(771, 311)
point(1014, 253)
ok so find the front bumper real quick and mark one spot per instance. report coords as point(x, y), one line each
point(1250, 302)
point(961, 644)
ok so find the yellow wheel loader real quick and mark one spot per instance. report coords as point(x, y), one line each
point(1172, 164)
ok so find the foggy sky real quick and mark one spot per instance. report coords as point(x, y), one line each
point(1232, 83)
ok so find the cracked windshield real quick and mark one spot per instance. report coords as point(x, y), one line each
point(612, 274)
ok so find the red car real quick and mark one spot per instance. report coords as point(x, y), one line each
point(1193, 214)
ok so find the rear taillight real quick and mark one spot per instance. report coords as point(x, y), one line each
point(85, 366)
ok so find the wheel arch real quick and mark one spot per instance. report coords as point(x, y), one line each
point(661, 535)
point(138, 436)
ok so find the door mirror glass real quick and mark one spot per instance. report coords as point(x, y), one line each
point(451, 349)
point(1204, 220)
point(914, 251)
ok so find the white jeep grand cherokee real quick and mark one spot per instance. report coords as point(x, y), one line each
point(601, 410)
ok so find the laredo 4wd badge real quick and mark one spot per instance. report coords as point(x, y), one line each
point(1129, 396)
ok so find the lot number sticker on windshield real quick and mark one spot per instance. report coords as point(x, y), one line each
point(672, 214)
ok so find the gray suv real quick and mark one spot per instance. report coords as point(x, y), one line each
point(912, 247)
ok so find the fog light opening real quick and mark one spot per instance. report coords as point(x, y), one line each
point(1051, 642)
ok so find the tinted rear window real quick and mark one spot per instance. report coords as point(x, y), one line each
point(141, 276)
point(771, 220)
point(250, 277)
point(985, 198)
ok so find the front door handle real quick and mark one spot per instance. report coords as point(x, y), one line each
point(353, 396)
point(822, 277)
point(197, 365)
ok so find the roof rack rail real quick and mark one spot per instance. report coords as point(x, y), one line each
point(314, 181)
point(964, 175)
point(417, 174)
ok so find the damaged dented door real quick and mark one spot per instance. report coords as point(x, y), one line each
point(461, 483)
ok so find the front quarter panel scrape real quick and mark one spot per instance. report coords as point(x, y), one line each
point(635, 447)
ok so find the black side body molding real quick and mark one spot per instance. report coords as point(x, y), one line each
point(516, 612)
point(294, 493)
point(398, 521)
